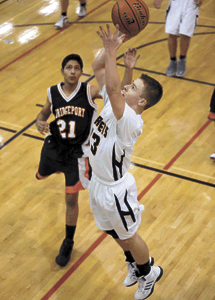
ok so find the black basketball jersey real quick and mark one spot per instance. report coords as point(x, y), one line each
point(74, 115)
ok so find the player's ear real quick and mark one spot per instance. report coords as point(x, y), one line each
point(142, 102)
point(62, 71)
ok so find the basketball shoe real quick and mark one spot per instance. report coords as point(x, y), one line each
point(81, 10)
point(65, 252)
point(181, 67)
point(171, 69)
point(61, 22)
point(132, 278)
point(146, 283)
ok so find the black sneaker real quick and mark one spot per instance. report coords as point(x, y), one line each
point(65, 252)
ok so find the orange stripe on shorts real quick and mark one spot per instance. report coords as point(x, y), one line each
point(41, 177)
point(87, 168)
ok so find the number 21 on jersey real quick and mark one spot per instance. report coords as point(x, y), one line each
point(62, 126)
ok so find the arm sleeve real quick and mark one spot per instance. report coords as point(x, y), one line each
point(49, 95)
point(50, 99)
point(104, 94)
point(89, 97)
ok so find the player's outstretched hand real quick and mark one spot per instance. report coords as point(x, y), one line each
point(111, 41)
point(130, 58)
point(127, 36)
point(43, 127)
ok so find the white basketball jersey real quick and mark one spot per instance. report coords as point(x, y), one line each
point(112, 141)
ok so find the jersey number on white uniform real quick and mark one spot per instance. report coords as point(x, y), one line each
point(62, 126)
point(94, 146)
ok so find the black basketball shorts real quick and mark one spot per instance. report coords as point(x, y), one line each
point(76, 170)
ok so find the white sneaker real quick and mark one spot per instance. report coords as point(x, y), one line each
point(181, 67)
point(212, 156)
point(81, 11)
point(171, 69)
point(146, 283)
point(61, 22)
point(132, 278)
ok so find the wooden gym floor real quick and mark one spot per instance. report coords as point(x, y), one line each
point(174, 174)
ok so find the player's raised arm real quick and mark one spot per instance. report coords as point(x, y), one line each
point(130, 60)
point(98, 66)
point(111, 43)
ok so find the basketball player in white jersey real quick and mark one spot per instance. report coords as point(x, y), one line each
point(113, 192)
point(181, 18)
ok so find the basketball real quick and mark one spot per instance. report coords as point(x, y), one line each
point(131, 15)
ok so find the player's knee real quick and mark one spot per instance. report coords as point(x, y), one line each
point(133, 239)
point(185, 37)
point(71, 199)
point(112, 233)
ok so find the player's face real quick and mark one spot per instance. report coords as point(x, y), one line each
point(133, 91)
point(72, 72)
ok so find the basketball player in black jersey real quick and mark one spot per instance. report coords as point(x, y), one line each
point(65, 147)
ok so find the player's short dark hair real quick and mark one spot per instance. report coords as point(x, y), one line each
point(75, 57)
point(152, 91)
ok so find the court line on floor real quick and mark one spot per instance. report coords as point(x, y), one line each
point(187, 145)
point(194, 173)
point(8, 129)
point(97, 22)
point(175, 175)
point(58, 284)
point(175, 168)
point(25, 134)
point(49, 38)
point(16, 125)
point(17, 134)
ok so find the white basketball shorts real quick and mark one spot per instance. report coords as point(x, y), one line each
point(115, 205)
point(181, 17)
